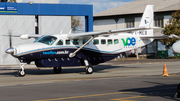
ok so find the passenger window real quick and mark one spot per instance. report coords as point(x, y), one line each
point(67, 42)
point(96, 42)
point(60, 42)
point(116, 41)
point(110, 41)
point(84, 41)
point(75, 42)
point(103, 41)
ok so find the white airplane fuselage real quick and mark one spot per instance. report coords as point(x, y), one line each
point(176, 48)
point(101, 49)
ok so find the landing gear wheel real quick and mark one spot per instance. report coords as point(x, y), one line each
point(89, 70)
point(57, 70)
point(123, 55)
point(21, 73)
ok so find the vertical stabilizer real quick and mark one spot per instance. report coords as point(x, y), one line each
point(148, 19)
point(148, 16)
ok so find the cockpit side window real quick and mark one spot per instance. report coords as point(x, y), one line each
point(60, 42)
point(49, 40)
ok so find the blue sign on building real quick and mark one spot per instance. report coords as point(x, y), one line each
point(50, 9)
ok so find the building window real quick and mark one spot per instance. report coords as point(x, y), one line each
point(36, 24)
point(129, 23)
point(159, 22)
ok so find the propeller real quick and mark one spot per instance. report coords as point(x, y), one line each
point(10, 39)
point(10, 50)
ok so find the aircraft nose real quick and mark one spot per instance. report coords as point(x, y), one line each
point(176, 47)
point(10, 51)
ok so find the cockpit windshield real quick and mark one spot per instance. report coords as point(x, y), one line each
point(49, 40)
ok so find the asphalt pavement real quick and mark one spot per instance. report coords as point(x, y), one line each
point(117, 80)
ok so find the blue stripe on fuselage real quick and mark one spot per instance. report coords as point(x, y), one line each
point(50, 48)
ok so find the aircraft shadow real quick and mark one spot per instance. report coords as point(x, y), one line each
point(166, 91)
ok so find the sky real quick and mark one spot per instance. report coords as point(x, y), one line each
point(98, 5)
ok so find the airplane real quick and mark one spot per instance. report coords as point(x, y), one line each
point(176, 48)
point(83, 49)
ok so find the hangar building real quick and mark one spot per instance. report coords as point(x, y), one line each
point(34, 18)
point(129, 15)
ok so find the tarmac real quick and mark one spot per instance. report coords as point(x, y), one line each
point(116, 80)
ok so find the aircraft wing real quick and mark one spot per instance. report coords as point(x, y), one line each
point(24, 36)
point(160, 37)
point(107, 32)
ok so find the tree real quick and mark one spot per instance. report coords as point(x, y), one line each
point(76, 23)
point(8, 0)
point(12, 0)
point(173, 27)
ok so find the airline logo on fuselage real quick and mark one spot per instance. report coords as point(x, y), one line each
point(54, 52)
point(129, 42)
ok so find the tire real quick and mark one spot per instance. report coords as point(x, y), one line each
point(57, 70)
point(123, 55)
point(21, 73)
point(89, 70)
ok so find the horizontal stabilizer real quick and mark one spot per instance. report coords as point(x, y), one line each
point(159, 37)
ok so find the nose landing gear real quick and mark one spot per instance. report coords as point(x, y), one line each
point(21, 72)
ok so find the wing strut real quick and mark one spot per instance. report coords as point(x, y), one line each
point(74, 53)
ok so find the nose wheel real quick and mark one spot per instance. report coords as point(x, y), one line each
point(21, 72)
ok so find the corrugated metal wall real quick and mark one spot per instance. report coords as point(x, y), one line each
point(17, 24)
point(20, 24)
point(54, 24)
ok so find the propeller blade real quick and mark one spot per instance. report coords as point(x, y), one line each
point(10, 39)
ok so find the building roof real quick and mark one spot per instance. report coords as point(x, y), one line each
point(138, 6)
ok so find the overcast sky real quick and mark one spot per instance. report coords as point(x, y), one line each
point(98, 5)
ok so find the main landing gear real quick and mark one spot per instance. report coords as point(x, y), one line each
point(57, 70)
point(89, 69)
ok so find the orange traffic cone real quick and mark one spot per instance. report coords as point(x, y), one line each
point(165, 73)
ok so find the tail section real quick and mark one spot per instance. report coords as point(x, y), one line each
point(148, 19)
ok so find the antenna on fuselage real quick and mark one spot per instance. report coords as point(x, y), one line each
point(61, 31)
point(70, 31)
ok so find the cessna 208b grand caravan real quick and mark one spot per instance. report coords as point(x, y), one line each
point(83, 49)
